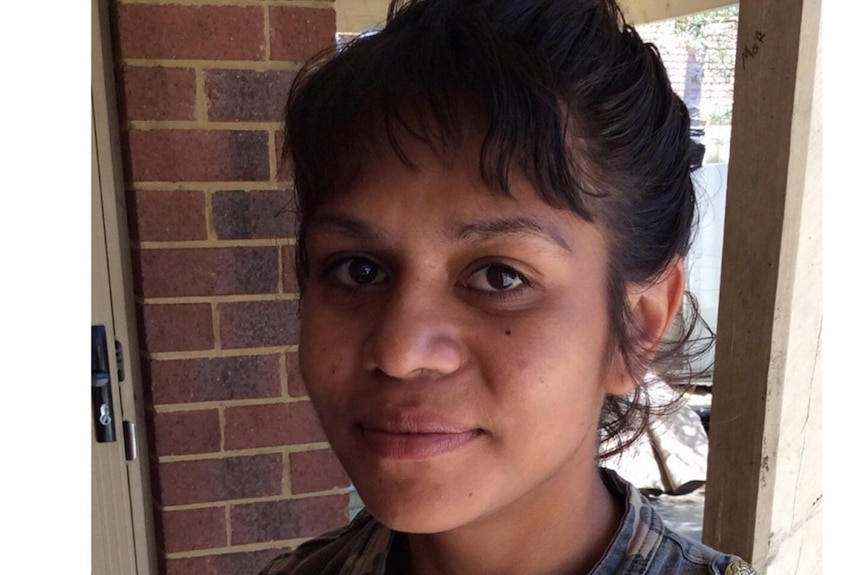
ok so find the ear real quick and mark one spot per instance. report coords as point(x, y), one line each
point(653, 308)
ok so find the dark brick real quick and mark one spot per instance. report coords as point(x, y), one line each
point(208, 271)
point(190, 32)
point(186, 432)
point(251, 215)
point(271, 425)
point(167, 216)
point(246, 95)
point(258, 323)
point(157, 93)
point(289, 519)
point(177, 327)
point(188, 529)
point(295, 386)
point(223, 564)
point(300, 33)
point(207, 480)
point(198, 155)
point(317, 470)
point(218, 379)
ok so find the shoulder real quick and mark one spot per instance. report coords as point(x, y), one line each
point(680, 555)
point(361, 546)
point(644, 545)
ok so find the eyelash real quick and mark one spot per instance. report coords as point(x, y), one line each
point(343, 265)
point(498, 293)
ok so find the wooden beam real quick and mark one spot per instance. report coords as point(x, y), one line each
point(355, 16)
point(764, 487)
point(645, 11)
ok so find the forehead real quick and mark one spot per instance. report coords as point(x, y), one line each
point(443, 176)
point(442, 195)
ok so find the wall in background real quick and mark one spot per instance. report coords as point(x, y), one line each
point(241, 469)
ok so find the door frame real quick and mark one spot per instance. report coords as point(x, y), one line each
point(108, 176)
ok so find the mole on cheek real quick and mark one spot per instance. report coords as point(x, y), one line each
point(508, 332)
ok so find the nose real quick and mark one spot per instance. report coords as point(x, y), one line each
point(415, 336)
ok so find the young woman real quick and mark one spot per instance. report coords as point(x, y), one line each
point(494, 203)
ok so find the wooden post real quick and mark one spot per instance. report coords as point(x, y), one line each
point(764, 487)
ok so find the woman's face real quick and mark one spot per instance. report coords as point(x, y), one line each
point(454, 343)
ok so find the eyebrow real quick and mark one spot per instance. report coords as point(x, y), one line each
point(353, 227)
point(475, 231)
point(507, 226)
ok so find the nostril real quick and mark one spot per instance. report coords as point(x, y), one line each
point(426, 351)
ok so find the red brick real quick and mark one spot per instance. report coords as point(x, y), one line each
point(271, 425)
point(177, 327)
point(208, 271)
point(300, 33)
point(223, 564)
point(252, 215)
point(218, 379)
point(207, 480)
point(289, 519)
point(246, 95)
point(188, 529)
point(186, 432)
point(198, 155)
point(167, 216)
point(258, 323)
point(295, 386)
point(317, 470)
point(190, 32)
point(288, 269)
point(157, 93)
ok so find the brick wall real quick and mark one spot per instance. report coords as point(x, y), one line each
point(240, 467)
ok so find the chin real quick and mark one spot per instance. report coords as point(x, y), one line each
point(414, 507)
point(411, 518)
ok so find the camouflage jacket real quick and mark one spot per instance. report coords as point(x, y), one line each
point(642, 545)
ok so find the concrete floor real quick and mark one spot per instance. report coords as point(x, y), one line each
point(682, 513)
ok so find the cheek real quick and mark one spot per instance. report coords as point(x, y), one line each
point(324, 356)
point(556, 366)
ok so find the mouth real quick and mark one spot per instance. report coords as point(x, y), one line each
point(404, 438)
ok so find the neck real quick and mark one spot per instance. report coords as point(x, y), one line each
point(558, 529)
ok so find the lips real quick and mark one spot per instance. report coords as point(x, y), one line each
point(413, 436)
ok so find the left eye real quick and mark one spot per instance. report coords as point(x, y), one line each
point(495, 278)
point(358, 272)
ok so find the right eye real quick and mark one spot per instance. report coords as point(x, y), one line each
point(357, 272)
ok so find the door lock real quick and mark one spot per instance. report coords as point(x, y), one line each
point(103, 403)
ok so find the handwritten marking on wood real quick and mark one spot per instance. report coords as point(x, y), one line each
point(751, 52)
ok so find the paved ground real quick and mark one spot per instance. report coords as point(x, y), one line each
point(682, 513)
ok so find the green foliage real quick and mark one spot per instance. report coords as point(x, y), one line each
point(720, 117)
point(705, 36)
point(695, 28)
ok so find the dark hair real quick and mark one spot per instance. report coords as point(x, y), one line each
point(563, 90)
